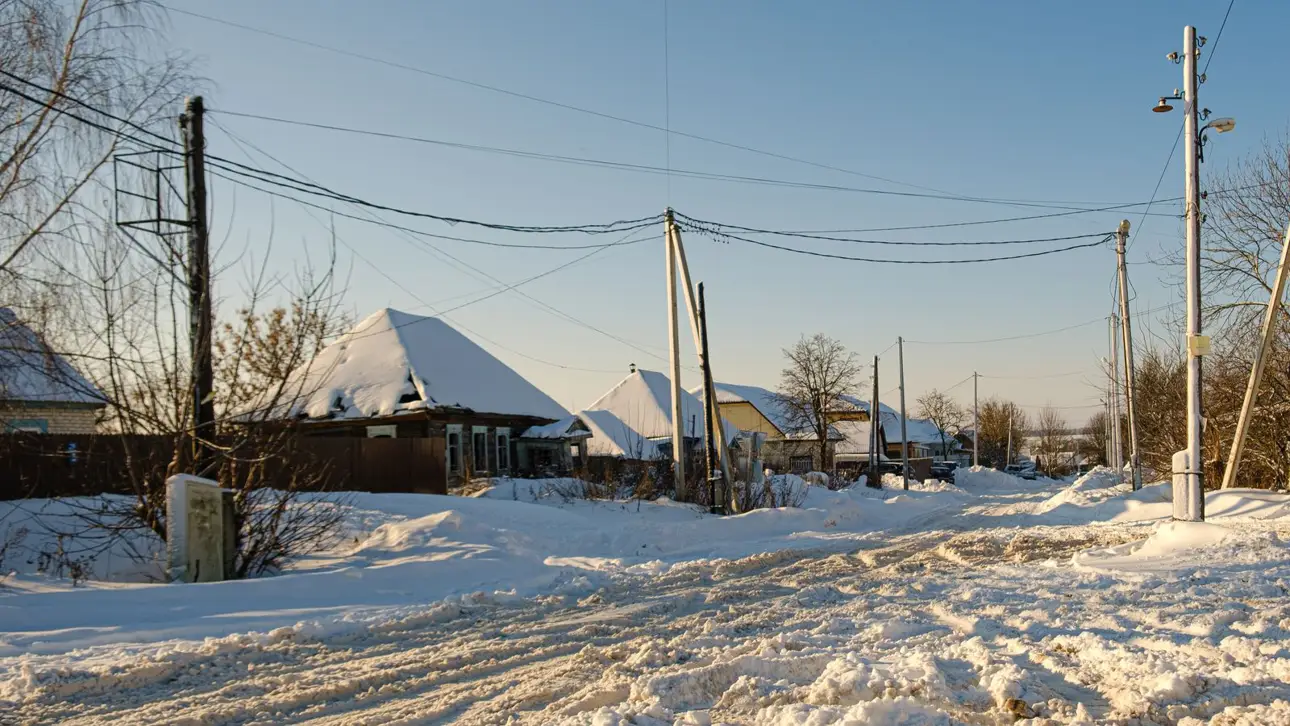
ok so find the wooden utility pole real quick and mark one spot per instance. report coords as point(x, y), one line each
point(904, 430)
point(687, 287)
point(711, 418)
point(874, 479)
point(1008, 459)
point(200, 316)
point(1126, 332)
point(976, 421)
point(1270, 317)
point(674, 357)
point(1113, 366)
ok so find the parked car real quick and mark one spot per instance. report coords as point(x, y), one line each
point(944, 470)
point(1022, 471)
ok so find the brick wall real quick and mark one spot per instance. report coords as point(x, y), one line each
point(56, 420)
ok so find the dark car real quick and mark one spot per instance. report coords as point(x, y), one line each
point(944, 470)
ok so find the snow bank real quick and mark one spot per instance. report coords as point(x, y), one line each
point(982, 477)
point(518, 537)
point(1182, 545)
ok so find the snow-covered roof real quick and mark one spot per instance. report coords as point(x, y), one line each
point(569, 427)
point(921, 431)
point(30, 371)
point(610, 436)
point(856, 438)
point(394, 361)
point(643, 400)
point(847, 402)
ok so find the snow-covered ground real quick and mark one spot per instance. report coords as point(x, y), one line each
point(984, 601)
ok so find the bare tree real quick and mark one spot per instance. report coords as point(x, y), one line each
point(819, 371)
point(65, 67)
point(944, 412)
point(1056, 446)
point(997, 418)
point(1092, 444)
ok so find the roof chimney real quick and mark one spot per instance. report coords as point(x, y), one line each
point(632, 368)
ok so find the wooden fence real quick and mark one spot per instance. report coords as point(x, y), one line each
point(39, 465)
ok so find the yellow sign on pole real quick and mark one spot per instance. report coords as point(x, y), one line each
point(1198, 345)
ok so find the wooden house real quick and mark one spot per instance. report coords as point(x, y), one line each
point(399, 375)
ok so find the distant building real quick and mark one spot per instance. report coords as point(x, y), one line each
point(40, 391)
point(758, 410)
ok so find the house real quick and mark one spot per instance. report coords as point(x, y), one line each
point(757, 410)
point(643, 402)
point(399, 375)
point(852, 452)
point(40, 391)
point(925, 440)
point(593, 434)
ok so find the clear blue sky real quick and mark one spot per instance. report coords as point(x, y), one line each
point(1018, 100)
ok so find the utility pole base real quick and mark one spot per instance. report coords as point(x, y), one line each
point(1188, 494)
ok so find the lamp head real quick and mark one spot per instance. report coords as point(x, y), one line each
point(1163, 106)
point(1222, 125)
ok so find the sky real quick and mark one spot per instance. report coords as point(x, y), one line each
point(1041, 102)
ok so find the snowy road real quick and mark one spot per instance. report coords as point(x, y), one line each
point(973, 614)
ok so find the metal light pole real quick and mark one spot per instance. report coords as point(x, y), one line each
point(1188, 465)
point(1192, 499)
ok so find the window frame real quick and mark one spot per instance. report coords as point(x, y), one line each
point(449, 448)
point(475, 464)
point(502, 437)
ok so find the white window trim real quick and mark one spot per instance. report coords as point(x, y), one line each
point(449, 430)
point(477, 468)
point(503, 434)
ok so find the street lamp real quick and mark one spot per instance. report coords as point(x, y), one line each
point(1188, 466)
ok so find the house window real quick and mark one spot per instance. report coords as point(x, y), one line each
point(454, 449)
point(479, 449)
point(503, 451)
point(801, 464)
point(28, 426)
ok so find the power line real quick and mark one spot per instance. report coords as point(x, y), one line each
point(1033, 378)
point(313, 188)
point(725, 236)
point(717, 227)
point(972, 223)
point(171, 143)
point(685, 173)
point(1086, 323)
point(552, 309)
point(536, 99)
point(418, 232)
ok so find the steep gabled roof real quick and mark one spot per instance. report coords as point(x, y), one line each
point(31, 372)
point(643, 401)
point(610, 436)
point(395, 361)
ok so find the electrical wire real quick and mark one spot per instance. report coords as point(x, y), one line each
point(1038, 334)
point(717, 227)
point(972, 223)
point(171, 143)
point(552, 309)
point(267, 177)
point(724, 236)
point(411, 230)
point(685, 173)
point(544, 101)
